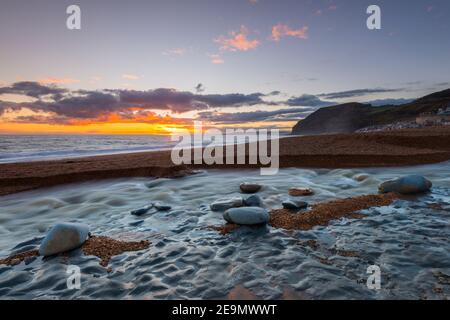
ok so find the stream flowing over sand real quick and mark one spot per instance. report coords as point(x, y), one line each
point(408, 240)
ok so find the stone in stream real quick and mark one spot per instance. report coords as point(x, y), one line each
point(247, 187)
point(246, 215)
point(360, 177)
point(253, 201)
point(298, 192)
point(141, 211)
point(63, 237)
point(294, 205)
point(162, 207)
point(225, 204)
point(406, 185)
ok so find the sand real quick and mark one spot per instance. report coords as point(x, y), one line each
point(393, 148)
point(105, 248)
point(322, 213)
point(19, 257)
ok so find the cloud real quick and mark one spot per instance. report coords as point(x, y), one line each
point(216, 59)
point(83, 105)
point(253, 1)
point(308, 100)
point(332, 7)
point(255, 116)
point(116, 117)
point(32, 89)
point(237, 41)
point(175, 52)
point(281, 30)
point(413, 83)
point(52, 80)
point(8, 106)
point(130, 77)
point(355, 93)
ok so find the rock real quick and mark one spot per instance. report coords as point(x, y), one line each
point(162, 207)
point(294, 205)
point(360, 177)
point(250, 187)
point(141, 211)
point(253, 201)
point(246, 215)
point(136, 223)
point(298, 192)
point(63, 237)
point(406, 185)
point(225, 204)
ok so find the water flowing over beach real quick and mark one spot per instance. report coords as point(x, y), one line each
point(408, 240)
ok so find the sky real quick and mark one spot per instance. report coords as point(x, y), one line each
point(153, 67)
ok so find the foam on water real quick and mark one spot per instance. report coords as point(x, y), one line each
point(408, 240)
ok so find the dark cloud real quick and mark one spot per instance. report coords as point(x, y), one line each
point(308, 100)
point(232, 100)
point(161, 99)
point(8, 106)
point(31, 89)
point(85, 104)
point(65, 105)
point(182, 101)
point(89, 105)
point(355, 93)
point(255, 116)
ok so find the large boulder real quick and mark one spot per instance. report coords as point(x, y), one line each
point(225, 204)
point(406, 185)
point(63, 237)
point(246, 215)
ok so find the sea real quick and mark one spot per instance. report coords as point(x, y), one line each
point(24, 148)
point(21, 148)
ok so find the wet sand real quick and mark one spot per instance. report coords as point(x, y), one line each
point(100, 246)
point(105, 248)
point(393, 148)
point(322, 213)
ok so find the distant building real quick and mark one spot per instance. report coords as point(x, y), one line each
point(440, 117)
